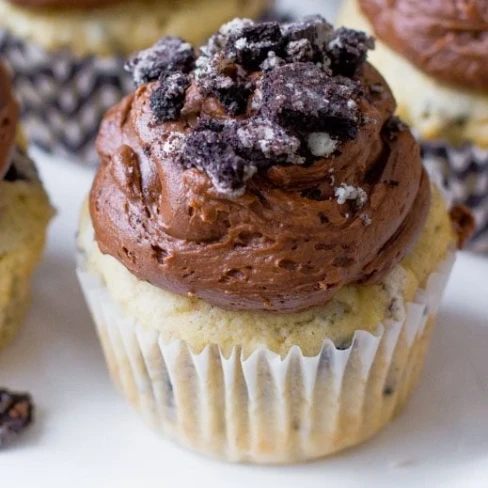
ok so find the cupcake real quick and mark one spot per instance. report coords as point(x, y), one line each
point(434, 55)
point(262, 250)
point(24, 215)
point(67, 56)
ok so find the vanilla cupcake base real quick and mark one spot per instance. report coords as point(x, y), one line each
point(263, 408)
point(24, 214)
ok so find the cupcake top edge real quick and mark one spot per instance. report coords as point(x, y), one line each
point(9, 113)
point(264, 172)
point(446, 39)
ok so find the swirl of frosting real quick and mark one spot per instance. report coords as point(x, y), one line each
point(65, 3)
point(274, 204)
point(447, 39)
point(9, 113)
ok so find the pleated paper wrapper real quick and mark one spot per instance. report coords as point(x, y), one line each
point(263, 408)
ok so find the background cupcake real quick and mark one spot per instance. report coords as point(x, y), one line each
point(263, 253)
point(435, 57)
point(67, 56)
point(24, 215)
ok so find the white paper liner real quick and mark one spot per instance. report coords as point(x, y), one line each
point(264, 409)
point(462, 173)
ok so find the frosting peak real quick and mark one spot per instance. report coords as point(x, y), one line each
point(9, 113)
point(264, 174)
point(447, 39)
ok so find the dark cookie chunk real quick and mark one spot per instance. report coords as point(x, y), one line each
point(208, 152)
point(393, 126)
point(313, 28)
point(16, 413)
point(231, 90)
point(307, 39)
point(167, 55)
point(302, 97)
point(168, 98)
point(300, 51)
point(262, 140)
point(253, 44)
point(348, 51)
point(272, 62)
point(231, 30)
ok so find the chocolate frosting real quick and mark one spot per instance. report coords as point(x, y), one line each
point(9, 113)
point(298, 231)
point(64, 3)
point(447, 39)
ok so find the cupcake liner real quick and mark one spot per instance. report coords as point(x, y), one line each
point(265, 409)
point(63, 97)
point(463, 174)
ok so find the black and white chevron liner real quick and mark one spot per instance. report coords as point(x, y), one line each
point(63, 97)
point(463, 172)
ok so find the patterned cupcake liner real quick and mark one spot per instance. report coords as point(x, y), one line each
point(462, 172)
point(63, 98)
point(265, 409)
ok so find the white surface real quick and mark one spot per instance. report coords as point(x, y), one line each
point(85, 431)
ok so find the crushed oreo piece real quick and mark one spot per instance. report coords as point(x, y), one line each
point(272, 62)
point(314, 28)
point(215, 45)
point(167, 55)
point(258, 139)
point(168, 99)
point(294, 84)
point(209, 152)
point(394, 126)
point(321, 144)
point(348, 50)
point(345, 193)
point(16, 413)
point(254, 42)
point(301, 51)
point(232, 92)
point(301, 95)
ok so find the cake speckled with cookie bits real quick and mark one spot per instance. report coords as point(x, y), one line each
point(434, 55)
point(24, 215)
point(262, 251)
point(68, 57)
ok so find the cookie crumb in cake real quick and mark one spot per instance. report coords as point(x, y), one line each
point(16, 414)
